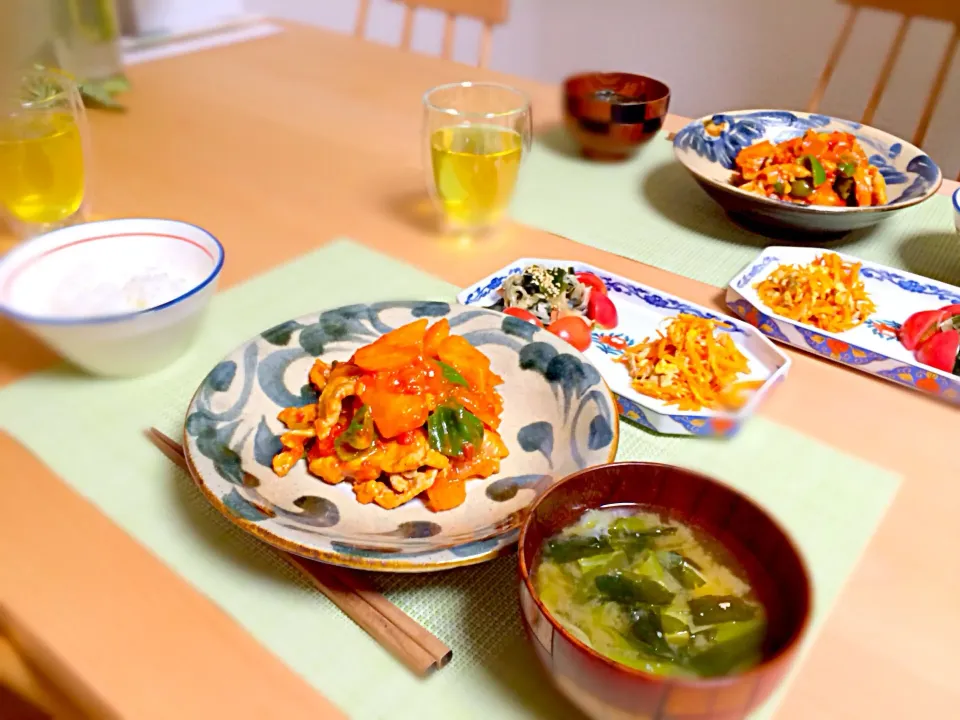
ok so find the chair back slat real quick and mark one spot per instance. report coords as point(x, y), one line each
point(488, 12)
point(948, 10)
point(893, 54)
point(406, 34)
point(486, 42)
point(907, 10)
point(939, 80)
point(360, 27)
point(834, 58)
point(449, 28)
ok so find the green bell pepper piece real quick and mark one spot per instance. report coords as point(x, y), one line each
point(451, 426)
point(358, 437)
point(819, 175)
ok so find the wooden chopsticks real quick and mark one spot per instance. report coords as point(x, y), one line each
point(402, 636)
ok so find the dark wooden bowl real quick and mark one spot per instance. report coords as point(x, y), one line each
point(603, 688)
point(612, 114)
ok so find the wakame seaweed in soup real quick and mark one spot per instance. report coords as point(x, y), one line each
point(651, 593)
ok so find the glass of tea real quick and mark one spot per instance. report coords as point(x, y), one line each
point(476, 136)
point(43, 152)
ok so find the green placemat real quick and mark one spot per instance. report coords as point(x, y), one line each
point(650, 209)
point(830, 501)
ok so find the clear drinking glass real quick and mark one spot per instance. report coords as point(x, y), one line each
point(476, 136)
point(43, 152)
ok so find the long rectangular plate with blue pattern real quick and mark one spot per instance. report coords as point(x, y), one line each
point(642, 310)
point(872, 347)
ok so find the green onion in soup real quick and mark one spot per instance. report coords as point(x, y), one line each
point(651, 593)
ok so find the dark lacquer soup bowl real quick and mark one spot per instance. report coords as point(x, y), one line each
point(612, 114)
point(605, 689)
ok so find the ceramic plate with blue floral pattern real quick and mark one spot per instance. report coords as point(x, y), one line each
point(642, 310)
point(558, 417)
point(872, 347)
point(709, 146)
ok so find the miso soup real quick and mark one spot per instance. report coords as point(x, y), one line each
point(651, 593)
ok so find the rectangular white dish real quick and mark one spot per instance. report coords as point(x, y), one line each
point(642, 311)
point(872, 347)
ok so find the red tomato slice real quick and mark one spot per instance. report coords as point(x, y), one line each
point(602, 311)
point(950, 311)
point(919, 327)
point(592, 281)
point(940, 350)
point(572, 329)
point(522, 314)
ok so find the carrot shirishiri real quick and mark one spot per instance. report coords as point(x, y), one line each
point(827, 293)
point(689, 365)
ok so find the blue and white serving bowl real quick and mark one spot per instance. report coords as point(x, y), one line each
point(558, 417)
point(709, 146)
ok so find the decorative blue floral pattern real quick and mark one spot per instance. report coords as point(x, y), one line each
point(756, 269)
point(602, 340)
point(838, 350)
point(708, 426)
point(699, 425)
point(917, 377)
point(553, 425)
point(722, 137)
point(486, 291)
point(890, 173)
point(630, 410)
point(764, 323)
point(911, 284)
point(886, 329)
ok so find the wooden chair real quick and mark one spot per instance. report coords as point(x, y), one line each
point(488, 12)
point(948, 10)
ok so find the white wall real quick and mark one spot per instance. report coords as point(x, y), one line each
point(719, 55)
point(148, 17)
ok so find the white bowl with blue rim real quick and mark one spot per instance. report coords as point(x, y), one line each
point(115, 297)
point(708, 147)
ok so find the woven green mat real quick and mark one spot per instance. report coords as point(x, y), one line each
point(650, 209)
point(830, 501)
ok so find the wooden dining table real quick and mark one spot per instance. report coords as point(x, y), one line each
point(279, 145)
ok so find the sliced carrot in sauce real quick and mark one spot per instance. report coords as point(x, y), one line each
point(436, 334)
point(446, 493)
point(409, 334)
point(378, 358)
point(394, 413)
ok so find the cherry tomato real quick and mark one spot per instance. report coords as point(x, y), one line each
point(602, 311)
point(919, 327)
point(522, 314)
point(592, 281)
point(940, 350)
point(572, 329)
point(923, 325)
